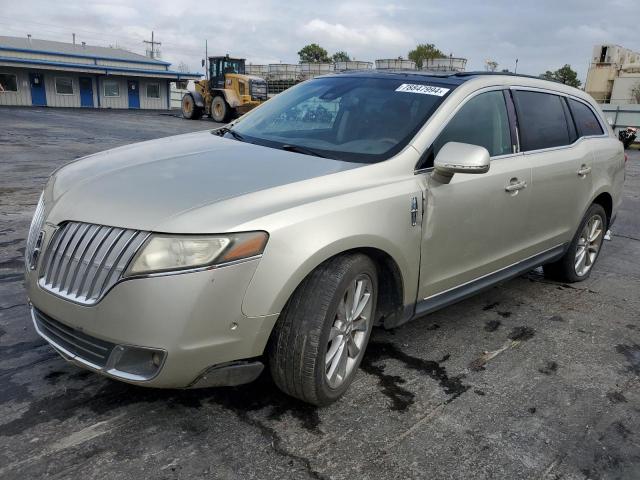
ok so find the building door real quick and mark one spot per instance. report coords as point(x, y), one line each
point(38, 94)
point(134, 94)
point(86, 92)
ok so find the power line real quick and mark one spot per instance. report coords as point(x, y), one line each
point(153, 52)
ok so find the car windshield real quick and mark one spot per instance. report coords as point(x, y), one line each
point(350, 118)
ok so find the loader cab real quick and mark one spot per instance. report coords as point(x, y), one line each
point(220, 66)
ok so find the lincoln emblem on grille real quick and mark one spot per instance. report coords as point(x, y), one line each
point(35, 254)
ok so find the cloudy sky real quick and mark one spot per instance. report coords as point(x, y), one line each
point(543, 35)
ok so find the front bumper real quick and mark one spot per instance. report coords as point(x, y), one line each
point(194, 319)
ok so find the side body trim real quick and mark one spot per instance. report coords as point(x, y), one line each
point(456, 294)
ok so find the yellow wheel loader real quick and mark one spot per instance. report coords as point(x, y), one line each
point(228, 92)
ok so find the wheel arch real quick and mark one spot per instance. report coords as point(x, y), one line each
point(392, 283)
point(605, 200)
point(229, 96)
point(197, 98)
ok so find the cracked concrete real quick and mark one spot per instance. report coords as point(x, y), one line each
point(560, 402)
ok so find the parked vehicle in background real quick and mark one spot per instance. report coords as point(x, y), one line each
point(627, 136)
point(348, 201)
point(227, 93)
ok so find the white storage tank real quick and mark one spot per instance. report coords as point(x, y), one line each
point(352, 65)
point(258, 70)
point(445, 64)
point(395, 64)
point(283, 71)
point(310, 70)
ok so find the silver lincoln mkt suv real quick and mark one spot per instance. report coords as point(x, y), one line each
point(348, 201)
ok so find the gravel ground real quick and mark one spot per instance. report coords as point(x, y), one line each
point(559, 400)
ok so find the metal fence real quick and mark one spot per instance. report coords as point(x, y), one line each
point(622, 116)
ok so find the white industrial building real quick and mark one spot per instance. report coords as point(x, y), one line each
point(56, 74)
point(613, 73)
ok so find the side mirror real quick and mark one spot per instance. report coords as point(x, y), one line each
point(457, 157)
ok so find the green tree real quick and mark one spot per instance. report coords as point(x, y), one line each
point(565, 75)
point(313, 53)
point(424, 51)
point(340, 56)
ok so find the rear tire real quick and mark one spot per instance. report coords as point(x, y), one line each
point(190, 110)
point(577, 262)
point(220, 109)
point(319, 340)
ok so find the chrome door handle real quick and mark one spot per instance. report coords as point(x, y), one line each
point(515, 185)
point(584, 171)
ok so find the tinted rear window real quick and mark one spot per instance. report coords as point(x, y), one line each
point(585, 119)
point(542, 121)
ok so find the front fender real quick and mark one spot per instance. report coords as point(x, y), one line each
point(197, 98)
point(296, 248)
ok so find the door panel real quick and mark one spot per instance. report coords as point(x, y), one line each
point(473, 226)
point(560, 193)
point(134, 93)
point(561, 166)
point(86, 92)
point(38, 93)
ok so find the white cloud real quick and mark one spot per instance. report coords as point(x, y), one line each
point(355, 39)
point(543, 35)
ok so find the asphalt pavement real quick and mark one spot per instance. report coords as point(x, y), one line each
point(530, 380)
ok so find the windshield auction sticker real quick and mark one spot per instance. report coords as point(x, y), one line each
point(422, 89)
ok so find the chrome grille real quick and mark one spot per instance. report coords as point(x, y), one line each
point(88, 349)
point(83, 261)
point(36, 225)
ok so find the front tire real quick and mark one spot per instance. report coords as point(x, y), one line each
point(320, 338)
point(577, 262)
point(220, 109)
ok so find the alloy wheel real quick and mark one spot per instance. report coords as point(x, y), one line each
point(589, 244)
point(348, 335)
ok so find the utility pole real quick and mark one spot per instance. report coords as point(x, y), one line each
point(74, 38)
point(153, 44)
point(516, 69)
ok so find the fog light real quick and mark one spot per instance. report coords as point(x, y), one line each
point(135, 363)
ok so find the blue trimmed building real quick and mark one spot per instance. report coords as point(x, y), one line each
point(57, 74)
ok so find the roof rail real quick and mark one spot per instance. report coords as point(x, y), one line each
point(481, 72)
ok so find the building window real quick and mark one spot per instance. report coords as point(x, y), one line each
point(111, 88)
point(8, 82)
point(153, 90)
point(64, 85)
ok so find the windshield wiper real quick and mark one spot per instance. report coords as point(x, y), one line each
point(299, 149)
point(221, 132)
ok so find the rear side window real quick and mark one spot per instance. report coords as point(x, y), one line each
point(585, 119)
point(482, 121)
point(542, 120)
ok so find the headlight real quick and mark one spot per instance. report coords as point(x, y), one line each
point(164, 253)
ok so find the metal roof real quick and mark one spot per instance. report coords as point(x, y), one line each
point(75, 50)
point(17, 62)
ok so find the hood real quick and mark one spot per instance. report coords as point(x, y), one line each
point(143, 185)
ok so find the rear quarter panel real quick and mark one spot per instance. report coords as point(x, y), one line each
point(608, 169)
